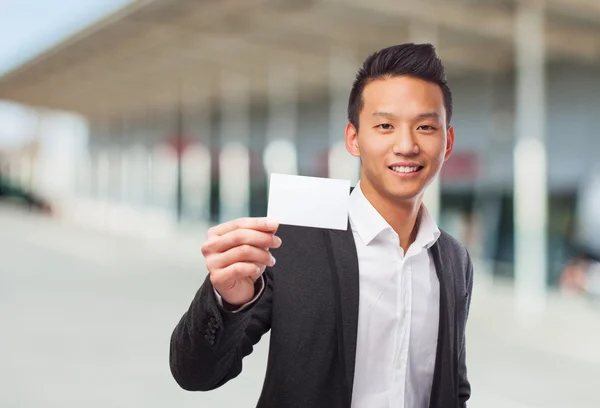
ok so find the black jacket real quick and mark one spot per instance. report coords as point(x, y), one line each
point(310, 304)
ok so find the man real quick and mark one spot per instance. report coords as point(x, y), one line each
point(582, 274)
point(18, 195)
point(369, 317)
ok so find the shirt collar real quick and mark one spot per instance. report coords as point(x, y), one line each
point(368, 223)
point(428, 232)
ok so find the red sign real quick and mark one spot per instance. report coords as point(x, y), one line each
point(179, 144)
point(461, 166)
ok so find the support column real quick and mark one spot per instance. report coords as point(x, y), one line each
point(196, 160)
point(427, 34)
point(280, 154)
point(530, 168)
point(234, 162)
point(342, 70)
point(114, 160)
point(179, 129)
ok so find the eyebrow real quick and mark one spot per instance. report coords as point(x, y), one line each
point(384, 114)
point(424, 115)
point(429, 115)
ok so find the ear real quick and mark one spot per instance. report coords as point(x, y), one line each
point(449, 142)
point(352, 140)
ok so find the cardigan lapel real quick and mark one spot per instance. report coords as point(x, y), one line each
point(443, 377)
point(346, 265)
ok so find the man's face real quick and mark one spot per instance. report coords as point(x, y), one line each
point(402, 139)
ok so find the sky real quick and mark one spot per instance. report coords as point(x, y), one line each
point(29, 27)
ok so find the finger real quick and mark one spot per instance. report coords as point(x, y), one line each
point(243, 253)
point(237, 271)
point(261, 269)
point(254, 223)
point(238, 237)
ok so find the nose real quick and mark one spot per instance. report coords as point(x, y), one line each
point(405, 143)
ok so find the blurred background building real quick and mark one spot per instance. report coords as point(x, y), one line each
point(173, 113)
point(187, 106)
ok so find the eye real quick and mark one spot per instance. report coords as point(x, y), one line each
point(385, 126)
point(426, 128)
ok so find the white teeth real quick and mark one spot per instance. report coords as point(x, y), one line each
point(403, 169)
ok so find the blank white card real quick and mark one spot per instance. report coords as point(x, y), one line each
point(309, 201)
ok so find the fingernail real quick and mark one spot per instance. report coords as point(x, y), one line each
point(276, 240)
point(271, 223)
point(272, 260)
point(258, 270)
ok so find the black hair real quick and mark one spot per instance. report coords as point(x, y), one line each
point(417, 60)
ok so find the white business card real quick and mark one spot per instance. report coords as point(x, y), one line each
point(309, 201)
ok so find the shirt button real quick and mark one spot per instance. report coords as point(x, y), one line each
point(401, 362)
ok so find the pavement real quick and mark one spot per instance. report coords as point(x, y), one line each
point(86, 318)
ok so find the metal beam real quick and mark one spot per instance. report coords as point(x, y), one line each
point(588, 10)
point(483, 21)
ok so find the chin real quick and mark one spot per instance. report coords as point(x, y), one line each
point(404, 194)
point(407, 196)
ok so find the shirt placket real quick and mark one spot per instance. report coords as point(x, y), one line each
point(407, 321)
point(403, 330)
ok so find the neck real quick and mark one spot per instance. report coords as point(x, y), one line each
point(401, 215)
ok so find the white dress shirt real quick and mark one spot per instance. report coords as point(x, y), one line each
point(398, 311)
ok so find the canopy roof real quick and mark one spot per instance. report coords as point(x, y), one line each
point(151, 53)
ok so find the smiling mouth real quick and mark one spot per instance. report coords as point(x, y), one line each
point(406, 169)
